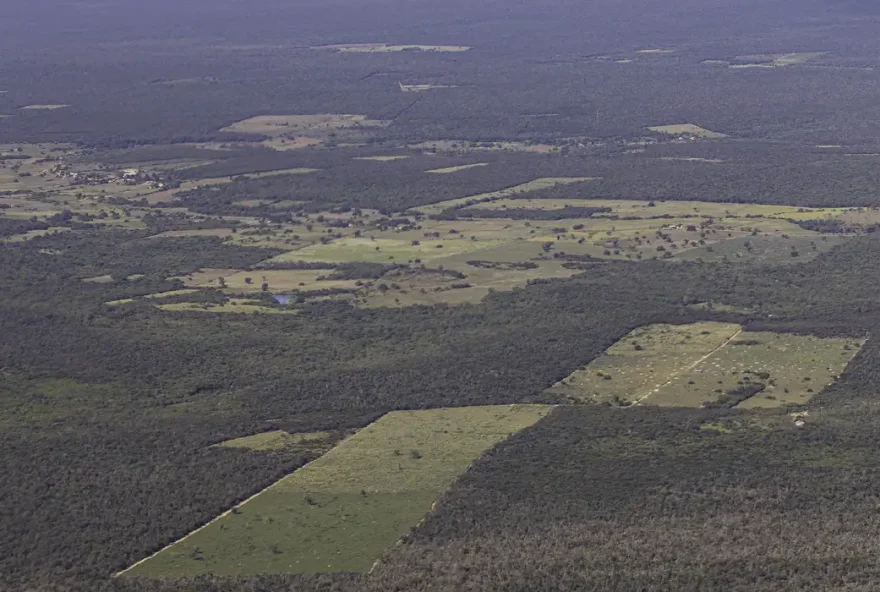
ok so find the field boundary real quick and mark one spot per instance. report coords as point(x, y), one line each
point(219, 516)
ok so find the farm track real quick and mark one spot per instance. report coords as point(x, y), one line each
point(688, 369)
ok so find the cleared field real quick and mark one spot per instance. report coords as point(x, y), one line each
point(390, 158)
point(43, 107)
point(792, 369)
point(170, 294)
point(422, 87)
point(382, 250)
point(686, 129)
point(779, 60)
point(340, 512)
point(692, 159)
point(98, 279)
point(233, 306)
point(537, 184)
point(709, 363)
point(280, 125)
point(218, 232)
point(456, 169)
point(385, 48)
point(463, 146)
point(655, 209)
point(644, 361)
point(25, 236)
point(286, 280)
point(283, 144)
point(274, 440)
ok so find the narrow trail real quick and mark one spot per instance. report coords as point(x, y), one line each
point(688, 369)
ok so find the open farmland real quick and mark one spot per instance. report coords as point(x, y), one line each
point(687, 129)
point(389, 48)
point(537, 184)
point(275, 440)
point(709, 364)
point(340, 512)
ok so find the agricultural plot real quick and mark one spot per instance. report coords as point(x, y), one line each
point(388, 48)
point(49, 107)
point(388, 158)
point(382, 250)
point(463, 146)
point(280, 125)
point(275, 440)
point(536, 185)
point(340, 512)
point(455, 169)
point(422, 87)
point(782, 369)
point(709, 364)
point(232, 306)
point(293, 132)
point(779, 60)
point(687, 129)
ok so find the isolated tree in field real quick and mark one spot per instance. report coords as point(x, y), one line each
point(222, 282)
point(249, 280)
point(265, 287)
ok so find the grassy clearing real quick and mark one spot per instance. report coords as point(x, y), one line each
point(536, 185)
point(456, 169)
point(232, 306)
point(285, 280)
point(388, 48)
point(26, 236)
point(690, 365)
point(462, 146)
point(686, 129)
point(170, 294)
point(423, 87)
point(281, 125)
point(643, 362)
point(779, 60)
point(99, 279)
point(692, 159)
point(389, 158)
point(274, 440)
point(207, 278)
point(654, 209)
point(340, 512)
point(49, 107)
point(381, 250)
point(793, 369)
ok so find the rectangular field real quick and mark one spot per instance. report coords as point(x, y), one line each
point(689, 129)
point(339, 513)
point(710, 364)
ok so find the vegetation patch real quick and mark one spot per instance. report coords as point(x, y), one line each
point(274, 440)
point(455, 169)
point(340, 512)
point(423, 87)
point(43, 107)
point(536, 185)
point(386, 48)
point(389, 158)
point(687, 129)
point(708, 365)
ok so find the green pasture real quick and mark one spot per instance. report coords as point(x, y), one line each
point(340, 512)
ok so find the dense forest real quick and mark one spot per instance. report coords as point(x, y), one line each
point(109, 415)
